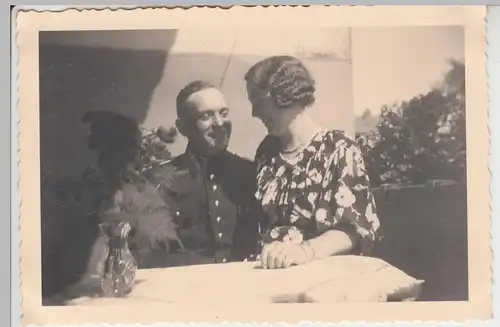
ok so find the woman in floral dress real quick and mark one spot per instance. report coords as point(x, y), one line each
point(311, 182)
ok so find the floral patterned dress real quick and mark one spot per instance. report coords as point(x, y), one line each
point(323, 187)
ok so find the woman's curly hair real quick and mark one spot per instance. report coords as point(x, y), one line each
point(285, 79)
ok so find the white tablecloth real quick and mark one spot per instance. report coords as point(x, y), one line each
point(341, 278)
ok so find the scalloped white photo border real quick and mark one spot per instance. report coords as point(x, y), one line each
point(479, 305)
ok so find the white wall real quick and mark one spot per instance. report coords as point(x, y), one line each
point(205, 55)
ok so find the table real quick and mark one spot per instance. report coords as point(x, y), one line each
point(335, 279)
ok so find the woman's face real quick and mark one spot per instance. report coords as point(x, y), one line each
point(276, 120)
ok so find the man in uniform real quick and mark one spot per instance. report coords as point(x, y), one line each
point(209, 190)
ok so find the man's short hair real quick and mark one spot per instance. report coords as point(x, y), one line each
point(187, 91)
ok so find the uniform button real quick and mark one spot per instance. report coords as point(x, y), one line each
point(214, 187)
point(216, 203)
point(220, 235)
point(218, 219)
point(212, 176)
point(224, 260)
point(177, 213)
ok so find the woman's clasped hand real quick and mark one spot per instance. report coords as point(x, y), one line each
point(279, 255)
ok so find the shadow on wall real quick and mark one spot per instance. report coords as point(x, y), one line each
point(74, 80)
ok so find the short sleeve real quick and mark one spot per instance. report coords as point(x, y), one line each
point(347, 198)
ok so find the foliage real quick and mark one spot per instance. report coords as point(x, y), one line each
point(423, 138)
point(154, 152)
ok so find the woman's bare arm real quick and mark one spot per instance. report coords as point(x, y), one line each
point(332, 242)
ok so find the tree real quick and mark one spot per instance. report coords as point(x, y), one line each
point(423, 138)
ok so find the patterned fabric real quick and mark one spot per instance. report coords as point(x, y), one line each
point(323, 187)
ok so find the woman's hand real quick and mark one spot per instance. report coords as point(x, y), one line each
point(278, 255)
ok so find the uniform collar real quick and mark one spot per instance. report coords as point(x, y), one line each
point(195, 162)
point(203, 159)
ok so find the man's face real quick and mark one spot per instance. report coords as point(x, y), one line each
point(206, 121)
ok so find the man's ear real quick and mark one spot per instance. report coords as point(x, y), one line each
point(181, 127)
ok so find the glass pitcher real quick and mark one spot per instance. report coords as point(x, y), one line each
point(118, 267)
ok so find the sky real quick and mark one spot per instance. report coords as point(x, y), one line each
point(394, 64)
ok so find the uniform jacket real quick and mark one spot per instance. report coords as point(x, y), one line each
point(212, 202)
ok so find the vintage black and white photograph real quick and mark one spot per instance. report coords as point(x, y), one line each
point(255, 165)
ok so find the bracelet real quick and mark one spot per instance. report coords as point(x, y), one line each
point(309, 251)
